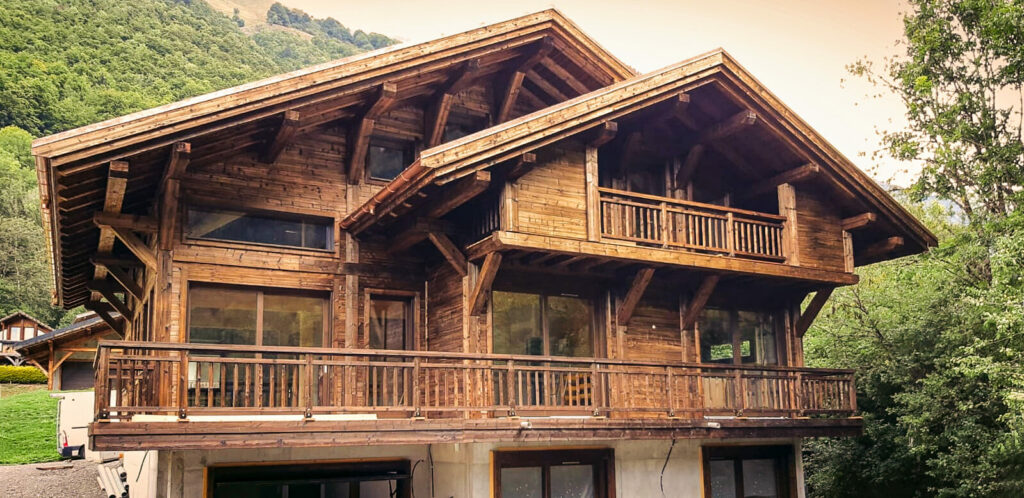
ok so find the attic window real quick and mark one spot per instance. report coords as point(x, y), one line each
point(264, 229)
point(385, 160)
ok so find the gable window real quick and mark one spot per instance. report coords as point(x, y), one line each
point(542, 325)
point(737, 337)
point(256, 317)
point(553, 474)
point(266, 229)
point(385, 160)
point(15, 333)
point(748, 471)
point(30, 332)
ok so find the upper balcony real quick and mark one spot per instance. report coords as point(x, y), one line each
point(234, 396)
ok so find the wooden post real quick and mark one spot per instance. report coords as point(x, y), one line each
point(790, 237)
point(183, 385)
point(101, 392)
point(593, 196)
point(848, 251)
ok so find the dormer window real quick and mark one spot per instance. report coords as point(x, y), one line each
point(385, 160)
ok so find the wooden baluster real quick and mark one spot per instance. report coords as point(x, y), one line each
point(671, 392)
point(416, 386)
point(101, 399)
point(730, 242)
point(739, 397)
point(309, 384)
point(664, 225)
point(272, 384)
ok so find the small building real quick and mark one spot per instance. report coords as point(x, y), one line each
point(20, 326)
point(66, 355)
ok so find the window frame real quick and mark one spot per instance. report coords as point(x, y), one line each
point(260, 293)
point(785, 465)
point(409, 151)
point(329, 222)
point(412, 300)
point(779, 331)
point(597, 346)
point(602, 460)
point(398, 469)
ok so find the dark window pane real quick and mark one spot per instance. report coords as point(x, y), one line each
point(723, 479)
point(572, 481)
point(305, 490)
point(521, 482)
point(254, 490)
point(222, 316)
point(757, 335)
point(385, 163)
point(259, 229)
point(516, 326)
point(376, 489)
point(759, 478)
point(388, 325)
point(715, 336)
point(290, 320)
point(569, 326)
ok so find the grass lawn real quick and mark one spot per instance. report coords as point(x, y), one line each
point(28, 424)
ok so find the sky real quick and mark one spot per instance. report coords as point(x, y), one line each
point(798, 49)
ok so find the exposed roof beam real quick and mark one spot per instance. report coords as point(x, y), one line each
point(484, 280)
point(412, 232)
point(602, 134)
point(513, 81)
point(129, 221)
point(636, 291)
point(735, 123)
point(108, 289)
point(813, 308)
point(524, 163)
point(286, 129)
point(117, 185)
point(880, 248)
point(546, 86)
point(689, 166)
point(804, 172)
point(700, 298)
point(136, 246)
point(108, 260)
point(463, 190)
point(450, 251)
point(437, 114)
point(103, 310)
point(564, 75)
point(177, 163)
point(860, 221)
point(360, 134)
point(126, 281)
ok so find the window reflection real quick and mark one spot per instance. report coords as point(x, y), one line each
point(277, 230)
point(537, 324)
point(738, 336)
point(389, 322)
point(386, 161)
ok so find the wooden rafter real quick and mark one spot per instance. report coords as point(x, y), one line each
point(122, 277)
point(485, 278)
point(765, 186)
point(730, 126)
point(862, 220)
point(108, 290)
point(136, 246)
point(103, 311)
point(286, 128)
point(636, 291)
point(689, 166)
point(700, 298)
point(360, 135)
point(602, 134)
point(177, 163)
point(117, 185)
point(463, 190)
point(450, 251)
point(129, 221)
point(880, 248)
point(513, 81)
point(414, 231)
point(437, 114)
point(108, 260)
point(813, 308)
point(522, 164)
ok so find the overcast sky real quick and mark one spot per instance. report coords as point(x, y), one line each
point(797, 48)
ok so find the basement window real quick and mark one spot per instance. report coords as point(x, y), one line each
point(749, 471)
point(264, 229)
point(368, 479)
point(553, 473)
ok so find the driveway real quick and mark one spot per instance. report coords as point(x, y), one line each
point(27, 481)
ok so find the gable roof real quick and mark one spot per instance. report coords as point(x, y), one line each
point(87, 327)
point(447, 162)
point(72, 165)
point(21, 314)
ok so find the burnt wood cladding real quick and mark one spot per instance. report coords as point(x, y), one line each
point(538, 164)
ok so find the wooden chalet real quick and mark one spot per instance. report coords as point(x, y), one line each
point(14, 328)
point(66, 355)
point(502, 252)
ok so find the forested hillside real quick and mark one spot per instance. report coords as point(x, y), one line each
point(68, 63)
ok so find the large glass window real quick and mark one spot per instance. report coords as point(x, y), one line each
point(538, 324)
point(552, 474)
point(255, 317)
point(378, 479)
point(389, 326)
point(385, 161)
point(738, 336)
point(275, 230)
point(748, 472)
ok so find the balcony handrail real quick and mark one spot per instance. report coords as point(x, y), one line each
point(693, 204)
point(443, 355)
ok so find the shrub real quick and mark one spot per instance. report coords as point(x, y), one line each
point(21, 375)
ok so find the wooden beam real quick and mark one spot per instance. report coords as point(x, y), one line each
point(359, 138)
point(860, 221)
point(136, 246)
point(286, 129)
point(813, 308)
point(484, 279)
point(107, 289)
point(450, 251)
point(631, 143)
point(602, 134)
point(129, 221)
point(126, 281)
point(524, 163)
point(61, 361)
point(437, 114)
point(463, 190)
point(108, 260)
point(880, 248)
point(801, 173)
point(514, 81)
point(730, 126)
point(177, 163)
point(700, 298)
point(636, 291)
point(103, 311)
point(117, 185)
point(689, 166)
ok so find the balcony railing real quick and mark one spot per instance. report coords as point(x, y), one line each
point(673, 223)
point(193, 379)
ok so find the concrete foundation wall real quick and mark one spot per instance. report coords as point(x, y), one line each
point(464, 470)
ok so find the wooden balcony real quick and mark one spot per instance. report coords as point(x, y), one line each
point(694, 226)
point(185, 380)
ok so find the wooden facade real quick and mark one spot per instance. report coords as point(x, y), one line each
point(627, 217)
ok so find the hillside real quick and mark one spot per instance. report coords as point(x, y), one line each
point(69, 63)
